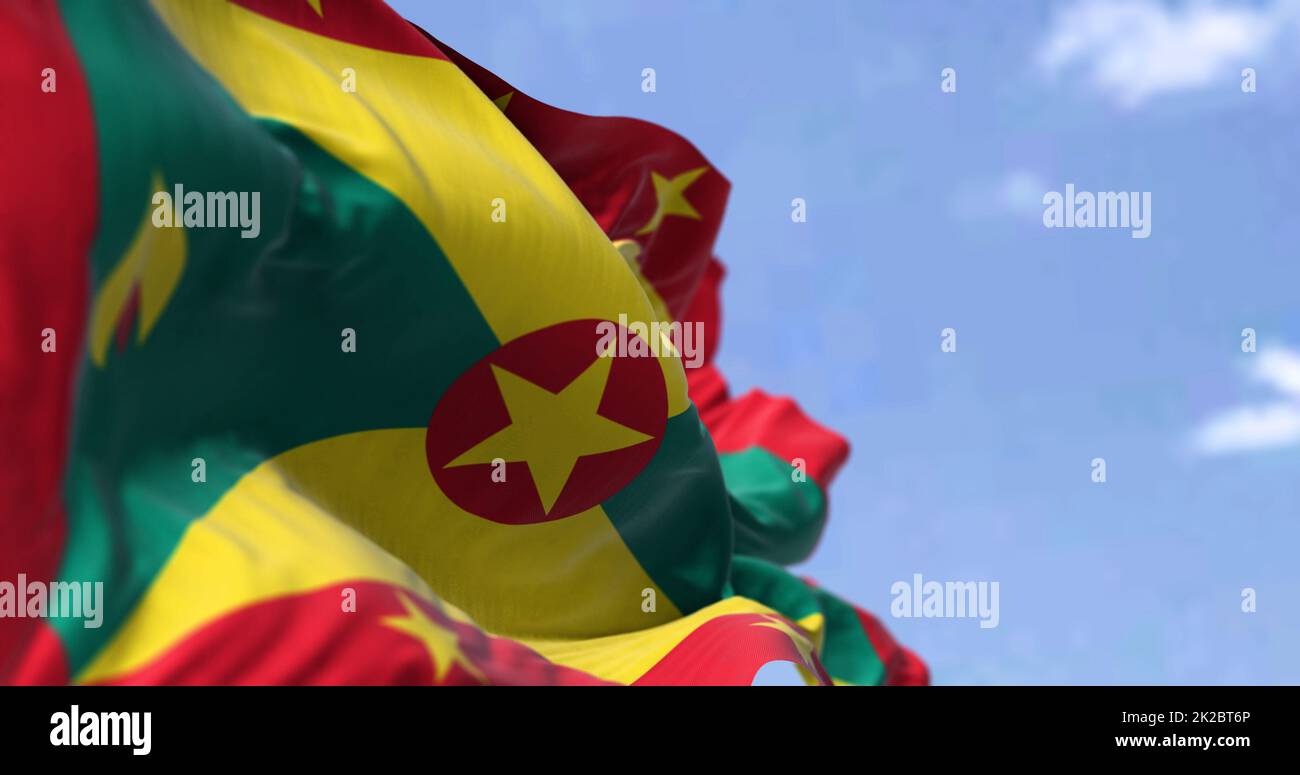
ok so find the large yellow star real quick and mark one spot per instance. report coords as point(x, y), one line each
point(671, 196)
point(443, 647)
point(801, 641)
point(550, 431)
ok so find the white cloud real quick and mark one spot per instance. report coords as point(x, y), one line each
point(1132, 50)
point(1252, 427)
point(1281, 369)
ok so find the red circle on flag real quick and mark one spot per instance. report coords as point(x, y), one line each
point(473, 419)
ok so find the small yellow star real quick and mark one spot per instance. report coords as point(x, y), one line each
point(671, 196)
point(503, 101)
point(550, 431)
point(443, 647)
point(800, 640)
point(315, 6)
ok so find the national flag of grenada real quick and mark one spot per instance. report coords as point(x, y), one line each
point(350, 525)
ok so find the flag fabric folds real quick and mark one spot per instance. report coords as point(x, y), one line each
point(304, 362)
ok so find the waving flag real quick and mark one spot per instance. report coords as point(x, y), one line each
point(329, 400)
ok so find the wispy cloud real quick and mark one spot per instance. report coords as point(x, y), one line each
point(1251, 427)
point(1132, 50)
point(1017, 192)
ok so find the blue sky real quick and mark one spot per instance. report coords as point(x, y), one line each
point(924, 212)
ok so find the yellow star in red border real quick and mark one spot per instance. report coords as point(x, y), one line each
point(671, 196)
point(551, 431)
point(800, 641)
point(441, 643)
